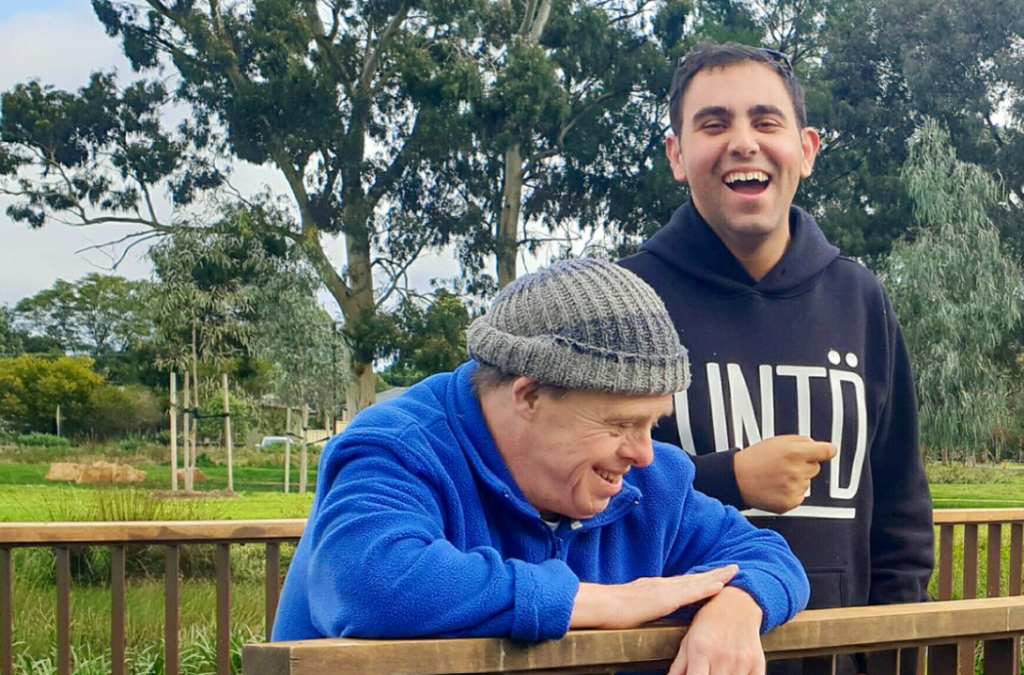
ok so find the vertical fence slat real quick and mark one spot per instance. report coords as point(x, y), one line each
point(946, 562)
point(1016, 558)
point(223, 609)
point(117, 614)
point(970, 590)
point(63, 559)
point(1016, 576)
point(994, 566)
point(942, 660)
point(172, 556)
point(6, 611)
point(273, 583)
point(999, 656)
point(970, 561)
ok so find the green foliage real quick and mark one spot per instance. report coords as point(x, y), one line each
point(119, 411)
point(959, 474)
point(307, 353)
point(11, 343)
point(39, 440)
point(31, 388)
point(958, 296)
point(427, 341)
point(242, 415)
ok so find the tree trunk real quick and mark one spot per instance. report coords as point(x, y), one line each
point(508, 226)
point(530, 30)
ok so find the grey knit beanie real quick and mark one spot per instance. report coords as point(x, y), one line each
point(583, 324)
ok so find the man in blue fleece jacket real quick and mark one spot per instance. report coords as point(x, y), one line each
point(522, 496)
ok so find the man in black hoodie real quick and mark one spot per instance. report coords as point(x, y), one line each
point(802, 409)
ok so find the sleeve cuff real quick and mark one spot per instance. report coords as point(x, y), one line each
point(716, 477)
point(544, 595)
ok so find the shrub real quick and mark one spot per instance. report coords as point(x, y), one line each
point(958, 474)
point(119, 411)
point(38, 440)
point(31, 388)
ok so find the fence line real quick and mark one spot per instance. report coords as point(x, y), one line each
point(117, 536)
point(272, 533)
point(938, 626)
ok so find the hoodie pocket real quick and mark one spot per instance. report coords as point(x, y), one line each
point(828, 587)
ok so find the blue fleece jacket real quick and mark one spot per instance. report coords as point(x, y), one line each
point(418, 530)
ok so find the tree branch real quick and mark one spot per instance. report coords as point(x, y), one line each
point(374, 55)
point(405, 156)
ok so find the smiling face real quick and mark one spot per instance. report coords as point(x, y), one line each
point(576, 449)
point(743, 154)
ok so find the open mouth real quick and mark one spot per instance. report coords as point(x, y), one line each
point(747, 182)
point(610, 478)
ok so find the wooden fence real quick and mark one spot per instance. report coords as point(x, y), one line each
point(954, 526)
point(940, 626)
point(117, 536)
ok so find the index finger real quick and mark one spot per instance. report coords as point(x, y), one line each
point(819, 452)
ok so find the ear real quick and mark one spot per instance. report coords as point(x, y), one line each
point(810, 142)
point(673, 151)
point(526, 397)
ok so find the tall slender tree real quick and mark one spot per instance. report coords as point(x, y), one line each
point(958, 296)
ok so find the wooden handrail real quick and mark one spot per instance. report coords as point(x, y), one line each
point(982, 516)
point(146, 532)
point(811, 633)
point(212, 531)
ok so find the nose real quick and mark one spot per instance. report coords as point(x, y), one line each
point(638, 449)
point(743, 142)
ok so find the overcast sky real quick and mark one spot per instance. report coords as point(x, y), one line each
point(60, 42)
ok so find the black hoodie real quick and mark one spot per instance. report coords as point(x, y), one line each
point(814, 349)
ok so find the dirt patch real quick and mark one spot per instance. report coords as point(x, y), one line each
point(205, 494)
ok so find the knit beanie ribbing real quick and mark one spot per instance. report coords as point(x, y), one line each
point(583, 324)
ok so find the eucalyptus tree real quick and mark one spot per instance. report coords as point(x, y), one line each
point(307, 354)
point(210, 285)
point(958, 296)
point(359, 106)
point(98, 314)
point(557, 76)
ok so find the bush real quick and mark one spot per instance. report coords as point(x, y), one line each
point(31, 388)
point(38, 440)
point(119, 411)
point(958, 474)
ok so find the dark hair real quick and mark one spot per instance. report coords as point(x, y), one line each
point(712, 55)
point(488, 377)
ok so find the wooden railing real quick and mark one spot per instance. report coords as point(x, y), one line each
point(172, 535)
point(117, 536)
point(963, 525)
point(939, 626)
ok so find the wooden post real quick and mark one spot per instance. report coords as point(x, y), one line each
point(174, 431)
point(188, 434)
point(227, 435)
point(304, 463)
point(58, 419)
point(288, 450)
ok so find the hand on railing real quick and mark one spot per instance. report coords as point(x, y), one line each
point(644, 600)
point(724, 638)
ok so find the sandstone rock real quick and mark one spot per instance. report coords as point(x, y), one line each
point(63, 471)
point(106, 472)
point(197, 476)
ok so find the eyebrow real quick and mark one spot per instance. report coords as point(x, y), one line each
point(764, 109)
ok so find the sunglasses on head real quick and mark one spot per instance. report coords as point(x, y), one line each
point(779, 57)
